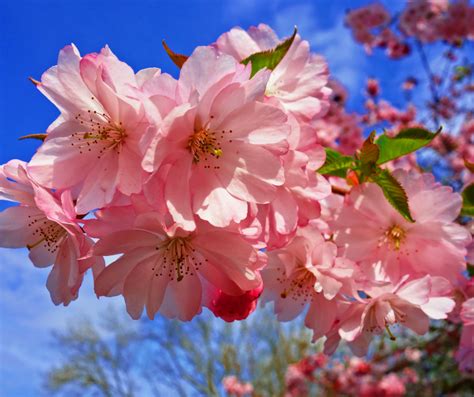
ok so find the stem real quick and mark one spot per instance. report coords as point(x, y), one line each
point(429, 73)
point(339, 190)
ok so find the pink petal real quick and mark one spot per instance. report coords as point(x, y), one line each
point(321, 316)
point(124, 241)
point(136, 287)
point(178, 196)
point(57, 164)
point(110, 280)
point(64, 281)
point(251, 173)
point(416, 320)
point(257, 123)
point(416, 291)
point(213, 203)
point(351, 327)
point(183, 299)
point(156, 292)
point(14, 229)
point(100, 184)
point(285, 211)
point(437, 308)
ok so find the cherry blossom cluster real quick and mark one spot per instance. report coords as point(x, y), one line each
point(236, 388)
point(349, 376)
point(422, 20)
point(207, 189)
point(344, 376)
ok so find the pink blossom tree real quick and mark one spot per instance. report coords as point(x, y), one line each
point(245, 179)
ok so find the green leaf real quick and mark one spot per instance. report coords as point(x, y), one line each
point(468, 201)
point(178, 59)
point(393, 192)
point(470, 270)
point(40, 137)
point(407, 141)
point(271, 58)
point(336, 164)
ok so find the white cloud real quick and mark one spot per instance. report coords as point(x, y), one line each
point(242, 8)
point(28, 319)
point(346, 59)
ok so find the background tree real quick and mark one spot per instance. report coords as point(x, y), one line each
point(188, 359)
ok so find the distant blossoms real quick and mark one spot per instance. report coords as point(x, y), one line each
point(224, 187)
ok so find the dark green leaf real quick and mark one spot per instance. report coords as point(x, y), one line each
point(407, 141)
point(336, 164)
point(178, 59)
point(271, 58)
point(393, 192)
point(468, 201)
point(470, 270)
point(40, 137)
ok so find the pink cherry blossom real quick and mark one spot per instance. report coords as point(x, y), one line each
point(338, 129)
point(206, 190)
point(297, 201)
point(224, 146)
point(413, 355)
point(421, 19)
point(93, 146)
point(166, 269)
point(363, 20)
point(235, 387)
point(306, 272)
point(46, 224)
point(371, 231)
point(409, 304)
point(231, 308)
point(391, 385)
point(298, 83)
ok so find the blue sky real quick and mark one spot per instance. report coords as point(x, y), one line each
point(34, 31)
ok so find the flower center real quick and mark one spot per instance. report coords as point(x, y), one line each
point(50, 234)
point(101, 134)
point(300, 285)
point(392, 315)
point(178, 258)
point(395, 235)
point(203, 143)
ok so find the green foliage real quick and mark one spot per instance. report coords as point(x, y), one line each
point(271, 58)
point(375, 152)
point(393, 192)
point(470, 270)
point(468, 201)
point(406, 142)
point(336, 164)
